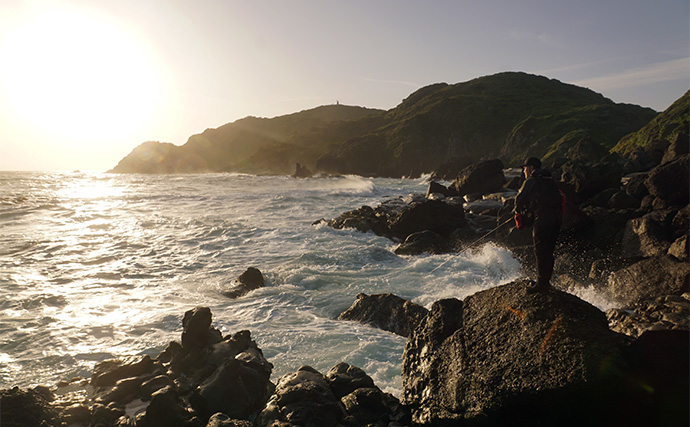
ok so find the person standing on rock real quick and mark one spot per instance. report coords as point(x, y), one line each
point(539, 203)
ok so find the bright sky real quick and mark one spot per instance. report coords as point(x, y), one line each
point(83, 82)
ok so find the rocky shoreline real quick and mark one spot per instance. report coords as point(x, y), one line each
point(499, 357)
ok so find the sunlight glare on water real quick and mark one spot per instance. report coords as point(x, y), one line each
point(96, 266)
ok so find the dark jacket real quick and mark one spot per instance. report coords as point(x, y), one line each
point(539, 196)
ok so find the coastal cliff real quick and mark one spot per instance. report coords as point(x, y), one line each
point(505, 115)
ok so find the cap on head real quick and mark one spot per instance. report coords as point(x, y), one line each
point(532, 161)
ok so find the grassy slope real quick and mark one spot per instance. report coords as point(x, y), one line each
point(507, 114)
point(665, 126)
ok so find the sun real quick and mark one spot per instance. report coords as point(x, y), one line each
point(76, 76)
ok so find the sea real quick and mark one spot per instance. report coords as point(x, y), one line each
point(95, 266)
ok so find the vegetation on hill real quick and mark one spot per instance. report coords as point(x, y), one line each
point(508, 115)
point(665, 126)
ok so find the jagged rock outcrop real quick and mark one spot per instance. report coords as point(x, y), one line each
point(302, 172)
point(469, 358)
point(385, 311)
point(187, 384)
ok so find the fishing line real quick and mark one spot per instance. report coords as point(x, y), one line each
point(472, 244)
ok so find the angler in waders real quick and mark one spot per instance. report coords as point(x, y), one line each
point(539, 204)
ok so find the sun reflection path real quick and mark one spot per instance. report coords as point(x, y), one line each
point(90, 187)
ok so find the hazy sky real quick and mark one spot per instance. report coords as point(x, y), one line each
point(84, 82)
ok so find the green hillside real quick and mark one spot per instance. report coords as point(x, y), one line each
point(507, 115)
point(665, 126)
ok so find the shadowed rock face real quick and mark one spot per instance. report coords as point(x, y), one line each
point(473, 356)
point(386, 311)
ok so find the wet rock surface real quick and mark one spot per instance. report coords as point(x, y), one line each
point(508, 357)
point(386, 311)
point(345, 396)
point(471, 357)
point(248, 281)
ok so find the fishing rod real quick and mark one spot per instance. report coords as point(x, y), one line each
point(472, 244)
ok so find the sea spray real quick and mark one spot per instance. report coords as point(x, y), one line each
point(95, 266)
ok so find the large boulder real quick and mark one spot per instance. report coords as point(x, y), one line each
point(647, 235)
point(345, 396)
point(166, 409)
point(669, 182)
point(434, 215)
point(385, 311)
point(648, 278)
point(364, 403)
point(240, 387)
point(586, 180)
point(398, 218)
point(634, 185)
point(482, 178)
point(469, 358)
point(302, 398)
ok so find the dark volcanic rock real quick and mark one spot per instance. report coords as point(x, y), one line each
point(153, 385)
point(669, 182)
point(248, 281)
point(483, 177)
point(646, 279)
point(648, 235)
point(586, 180)
point(398, 218)
point(424, 241)
point(344, 379)
point(198, 332)
point(436, 188)
point(27, 408)
point(166, 409)
point(222, 420)
point(635, 186)
point(386, 311)
point(622, 200)
point(302, 398)
point(346, 396)
point(680, 249)
point(302, 172)
point(501, 345)
point(109, 371)
point(239, 388)
point(434, 215)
